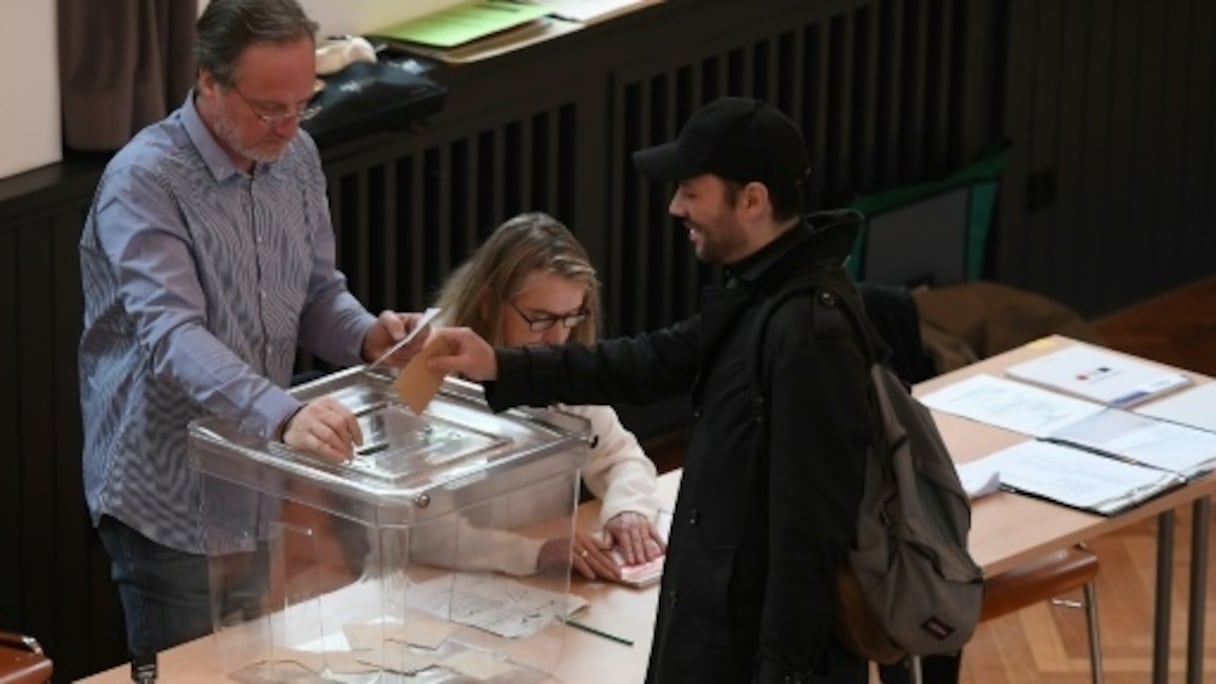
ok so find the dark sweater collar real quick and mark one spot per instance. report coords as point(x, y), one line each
point(822, 237)
point(751, 267)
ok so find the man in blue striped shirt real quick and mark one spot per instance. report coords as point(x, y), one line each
point(206, 258)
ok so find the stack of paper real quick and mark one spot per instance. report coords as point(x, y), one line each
point(1099, 375)
point(1086, 455)
point(1139, 439)
point(1079, 478)
point(979, 478)
point(1010, 405)
point(1195, 407)
point(493, 603)
point(645, 574)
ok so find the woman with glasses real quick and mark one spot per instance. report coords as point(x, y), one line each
point(531, 283)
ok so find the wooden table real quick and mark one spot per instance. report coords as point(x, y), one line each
point(1007, 530)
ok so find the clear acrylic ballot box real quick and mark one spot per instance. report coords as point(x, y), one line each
point(439, 553)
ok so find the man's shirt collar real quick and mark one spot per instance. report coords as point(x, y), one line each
point(217, 160)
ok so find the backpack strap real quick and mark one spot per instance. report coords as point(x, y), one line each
point(812, 280)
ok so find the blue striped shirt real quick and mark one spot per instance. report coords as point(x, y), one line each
point(199, 282)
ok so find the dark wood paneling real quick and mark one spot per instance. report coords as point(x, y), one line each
point(1083, 182)
point(1043, 138)
point(889, 92)
point(1125, 130)
point(55, 570)
point(879, 92)
point(42, 593)
point(1009, 259)
point(1183, 97)
point(12, 570)
point(1147, 191)
point(912, 105)
point(1199, 172)
point(1109, 109)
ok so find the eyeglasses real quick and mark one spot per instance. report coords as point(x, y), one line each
point(301, 113)
point(543, 323)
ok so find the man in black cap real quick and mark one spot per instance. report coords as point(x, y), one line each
point(780, 415)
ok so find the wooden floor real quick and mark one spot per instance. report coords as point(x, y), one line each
point(1047, 643)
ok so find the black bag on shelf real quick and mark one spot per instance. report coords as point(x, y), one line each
point(366, 97)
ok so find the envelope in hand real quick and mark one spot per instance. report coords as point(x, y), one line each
point(416, 384)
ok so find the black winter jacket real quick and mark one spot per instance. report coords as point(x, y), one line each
point(768, 498)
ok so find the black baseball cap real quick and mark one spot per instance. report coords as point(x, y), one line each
point(738, 138)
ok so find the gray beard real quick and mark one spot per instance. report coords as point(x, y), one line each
point(224, 131)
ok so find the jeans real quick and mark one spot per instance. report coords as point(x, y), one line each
point(166, 594)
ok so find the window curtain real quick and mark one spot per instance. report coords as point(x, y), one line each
point(123, 64)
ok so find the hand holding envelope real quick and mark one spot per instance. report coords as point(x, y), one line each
point(416, 384)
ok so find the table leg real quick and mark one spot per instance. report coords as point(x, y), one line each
point(1201, 512)
point(1161, 612)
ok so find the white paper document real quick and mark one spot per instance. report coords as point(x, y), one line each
point(1144, 440)
point(479, 665)
point(1078, 478)
point(1195, 407)
point(496, 604)
point(1010, 405)
point(418, 630)
point(1100, 375)
point(979, 477)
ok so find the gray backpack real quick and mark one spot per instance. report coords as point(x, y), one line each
point(909, 585)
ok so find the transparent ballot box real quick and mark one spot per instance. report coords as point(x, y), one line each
point(439, 553)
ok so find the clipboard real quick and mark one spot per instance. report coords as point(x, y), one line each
point(1134, 438)
point(1080, 479)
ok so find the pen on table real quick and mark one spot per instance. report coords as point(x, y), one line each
point(597, 632)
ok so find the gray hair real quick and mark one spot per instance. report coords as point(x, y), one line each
point(227, 27)
point(476, 292)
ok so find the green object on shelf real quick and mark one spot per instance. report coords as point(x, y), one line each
point(463, 23)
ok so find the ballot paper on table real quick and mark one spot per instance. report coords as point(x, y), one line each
point(1078, 478)
point(979, 477)
point(1140, 439)
point(418, 629)
point(494, 603)
point(1100, 375)
point(1195, 407)
point(1011, 405)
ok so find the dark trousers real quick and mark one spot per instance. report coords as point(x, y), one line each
point(935, 669)
point(166, 594)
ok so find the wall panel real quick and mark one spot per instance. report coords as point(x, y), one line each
point(1108, 106)
point(877, 87)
